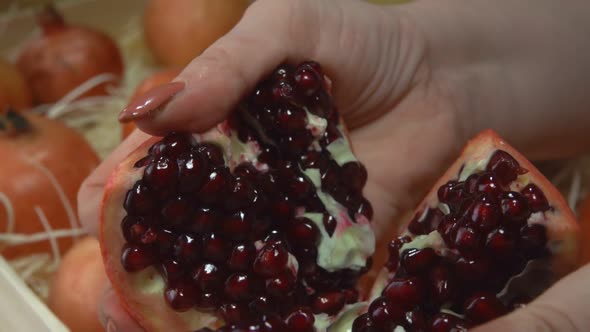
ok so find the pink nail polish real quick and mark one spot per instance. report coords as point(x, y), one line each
point(148, 103)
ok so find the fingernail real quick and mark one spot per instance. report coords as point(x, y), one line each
point(150, 102)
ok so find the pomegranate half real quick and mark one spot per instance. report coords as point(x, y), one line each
point(490, 236)
point(259, 223)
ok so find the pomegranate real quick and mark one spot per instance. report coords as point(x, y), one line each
point(259, 223)
point(152, 81)
point(14, 91)
point(491, 235)
point(65, 56)
point(43, 165)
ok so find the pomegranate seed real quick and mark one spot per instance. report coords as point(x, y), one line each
point(237, 226)
point(133, 229)
point(212, 153)
point(300, 320)
point(452, 193)
point(295, 144)
point(500, 243)
point(208, 300)
point(330, 303)
point(350, 295)
point(308, 81)
point(329, 223)
point(234, 313)
point(240, 287)
point(165, 241)
point(515, 208)
point(446, 227)
point(281, 285)
point(205, 220)
point(321, 104)
point(355, 174)
point(139, 200)
point(282, 208)
point(299, 188)
point(487, 183)
point(241, 257)
point(241, 195)
point(162, 173)
point(209, 277)
point(176, 210)
point(471, 184)
point(273, 323)
point(442, 322)
point(282, 91)
point(504, 166)
point(177, 143)
point(303, 232)
point(415, 261)
point(362, 323)
point(136, 257)
point(172, 270)
point(385, 314)
point(246, 171)
point(535, 197)
point(467, 241)
point(393, 248)
point(406, 292)
point(415, 321)
point(472, 269)
point(315, 159)
point(187, 249)
point(442, 283)
point(215, 248)
point(181, 295)
point(290, 119)
point(262, 304)
point(283, 72)
point(533, 239)
point(484, 213)
point(482, 308)
point(191, 171)
point(143, 162)
point(215, 185)
point(271, 260)
point(364, 208)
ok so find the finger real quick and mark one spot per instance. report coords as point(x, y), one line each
point(562, 308)
point(91, 190)
point(113, 316)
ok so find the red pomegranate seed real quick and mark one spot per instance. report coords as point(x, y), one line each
point(139, 200)
point(482, 308)
point(489, 184)
point(484, 213)
point(535, 197)
point(212, 153)
point(472, 269)
point(515, 210)
point(271, 260)
point(467, 241)
point(385, 314)
point(290, 119)
point(241, 194)
point(187, 249)
point(281, 285)
point(215, 185)
point(300, 320)
point(240, 286)
point(355, 174)
point(241, 257)
point(283, 72)
point(303, 232)
point(204, 220)
point(363, 208)
point(234, 313)
point(263, 304)
point(209, 277)
point(181, 295)
point(215, 248)
point(282, 208)
point(406, 292)
point(452, 193)
point(308, 81)
point(162, 173)
point(133, 229)
point(321, 104)
point(393, 249)
point(471, 184)
point(177, 143)
point(362, 323)
point(176, 210)
point(136, 257)
point(533, 239)
point(415, 261)
point(208, 300)
point(273, 323)
point(172, 270)
point(245, 171)
point(442, 283)
point(415, 321)
point(445, 229)
point(315, 159)
point(442, 322)
point(165, 241)
point(237, 226)
point(282, 91)
point(299, 187)
point(330, 303)
point(505, 167)
point(329, 223)
point(191, 171)
point(350, 295)
point(500, 243)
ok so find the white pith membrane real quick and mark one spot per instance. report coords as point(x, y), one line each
point(351, 244)
point(538, 274)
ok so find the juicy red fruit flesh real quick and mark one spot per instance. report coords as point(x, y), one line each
point(225, 236)
point(484, 226)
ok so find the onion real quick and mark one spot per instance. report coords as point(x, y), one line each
point(179, 30)
point(77, 287)
point(13, 88)
point(65, 56)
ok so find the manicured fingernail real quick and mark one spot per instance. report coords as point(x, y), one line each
point(150, 102)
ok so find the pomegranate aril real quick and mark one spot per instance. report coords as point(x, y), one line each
point(535, 197)
point(442, 283)
point(452, 193)
point(415, 261)
point(237, 226)
point(241, 287)
point(350, 295)
point(273, 323)
point(133, 229)
point(329, 303)
point(172, 270)
point(245, 171)
point(355, 175)
point(242, 257)
point(505, 167)
point(271, 260)
point(209, 277)
point(204, 220)
point(283, 72)
point(363, 323)
point(468, 241)
point(215, 185)
point(329, 223)
point(442, 322)
point(191, 171)
point(181, 295)
point(140, 200)
point(303, 232)
point(415, 321)
point(282, 208)
point(262, 304)
point(484, 212)
point(515, 209)
point(165, 242)
point(233, 313)
point(177, 143)
point(487, 183)
point(472, 269)
point(290, 119)
point(212, 153)
point(281, 285)
point(300, 188)
point(500, 243)
point(241, 194)
point(136, 257)
point(482, 308)
point(208, 301)
point(363, 208)
point(307, 80)
point(471, 184)
point(533, 239)
point(300, 320)
point(393, 248)
point(320, 104)
point(282, 91)
point(406, 292)
point(162, 173)
point(143, 162)
point(176, 210)
point(385, 314)
point(187, 249)
point(315, 159)
point(215, 248)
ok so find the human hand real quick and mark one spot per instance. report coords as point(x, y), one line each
point(398, 113)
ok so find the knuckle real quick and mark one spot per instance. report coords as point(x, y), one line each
point(549, 318)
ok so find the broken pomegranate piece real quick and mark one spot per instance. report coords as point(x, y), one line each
point(492, 232)
point(259, 222)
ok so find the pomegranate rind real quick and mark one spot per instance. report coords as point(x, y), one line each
point(141, 294)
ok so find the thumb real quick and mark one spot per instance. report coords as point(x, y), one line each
point(565, 307)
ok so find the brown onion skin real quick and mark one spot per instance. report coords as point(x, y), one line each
point(14, 90)
point(167, 23)
point(60, 151)
point(65, 56)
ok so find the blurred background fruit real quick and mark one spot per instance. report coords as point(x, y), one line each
point(14, 90)
point(584, 218)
